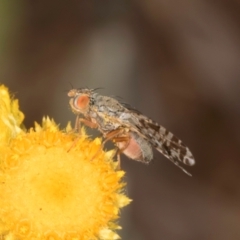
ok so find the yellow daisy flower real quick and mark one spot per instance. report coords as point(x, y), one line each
point(54, 186)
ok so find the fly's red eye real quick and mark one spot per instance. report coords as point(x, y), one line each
point(82, 101)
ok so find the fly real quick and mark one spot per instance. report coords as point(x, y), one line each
point(133, 133)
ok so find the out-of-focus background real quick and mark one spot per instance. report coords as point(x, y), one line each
point(178, 62)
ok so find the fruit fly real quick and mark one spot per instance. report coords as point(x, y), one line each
point(133, 133)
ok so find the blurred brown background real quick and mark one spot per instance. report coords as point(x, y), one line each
point(175, 61)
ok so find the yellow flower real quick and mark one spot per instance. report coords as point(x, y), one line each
point(10, 116)
point(54, 186)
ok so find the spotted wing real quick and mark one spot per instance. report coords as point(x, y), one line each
point(117, 115)
point(163, 140)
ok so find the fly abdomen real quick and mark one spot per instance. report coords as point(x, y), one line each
point(137, 148)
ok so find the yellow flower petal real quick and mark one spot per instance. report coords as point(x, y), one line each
point(54, 186)
point(108, 234)
point(10, 116)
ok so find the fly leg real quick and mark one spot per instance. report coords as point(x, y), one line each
point(85, 121)
point(77, 127)
point(126, 140)
point(109, 136)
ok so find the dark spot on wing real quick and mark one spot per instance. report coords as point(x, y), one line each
point(166, 149)
point(175, 139)
point(142, 122)
point(154, 127)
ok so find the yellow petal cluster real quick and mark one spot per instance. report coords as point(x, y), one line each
point(10, 116)
point(58, 185)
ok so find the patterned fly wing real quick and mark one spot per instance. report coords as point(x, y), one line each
point(163, 140)
point(144, 128)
